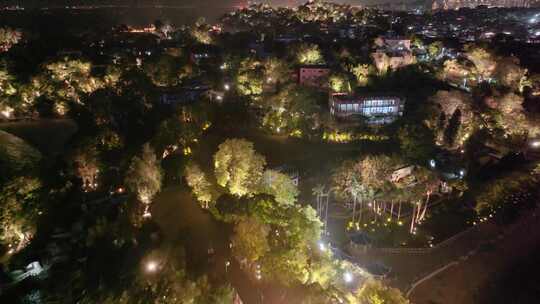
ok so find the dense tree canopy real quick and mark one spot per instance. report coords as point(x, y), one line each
point(144, 175)
point(238, 167)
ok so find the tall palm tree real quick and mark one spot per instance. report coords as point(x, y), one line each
point(355, 189)
point(318, 192)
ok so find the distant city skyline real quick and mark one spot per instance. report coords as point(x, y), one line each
point(386, 4)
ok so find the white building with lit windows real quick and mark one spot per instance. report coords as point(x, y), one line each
point(377, 109)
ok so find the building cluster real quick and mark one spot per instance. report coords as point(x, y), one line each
point(378, 109)
point(457, 4)
point(481, 24)
point(392, 52)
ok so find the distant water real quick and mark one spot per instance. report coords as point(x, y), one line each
point(65, 19)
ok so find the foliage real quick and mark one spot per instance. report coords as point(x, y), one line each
point(249, 240)
point(339, 83)
point(238, 167)
point(67, 79)
point(166, 70)
point(84, 160)
point(343, 176)
point(19, 210)
point(495, 192)
point(144, 175)
point(376, 170)
point(510, 73)
point(416, 142)
point(454, 118)
point(483, 60)
point(374, 292)
point(250, 77)
point(309, 54)
point(276, 70)
point(8, 38)
point(280, 186)
point(362, 73)
point(435, 48)
point(293, 110)
point(199, 184)
point(201, 32)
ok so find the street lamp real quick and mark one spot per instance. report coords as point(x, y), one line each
point(227, 87)
point(348, 277)
point(322, 246)
point(535, 144)
point(151, 266)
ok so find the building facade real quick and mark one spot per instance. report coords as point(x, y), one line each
point(377, 109)
point(313, 75)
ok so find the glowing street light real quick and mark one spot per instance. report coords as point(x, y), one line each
point(227, 87)
point(348, 277)
point(535, 144)
point(322, 246)
point(151, 266)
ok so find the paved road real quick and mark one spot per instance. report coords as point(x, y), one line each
point(462, 283)
point(408, 268)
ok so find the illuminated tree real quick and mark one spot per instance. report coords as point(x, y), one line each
point(276, 70)
point(19, 211)
point(381, 61)
point(66, 80)
point(238, 167)
point(8, 38)
point(167, 70)
point(483, 60)
point(454, 118)
point(250, 240)
point(344, 176)
point(455, 71)
point(201, 32)
point(376, 170)
point(416, 142)
point(144, 175)
point(374, 292)
point(509, 73)
point(200, 185)
point(8, 91)
point(250, 77)
point(85, 162)
point(280, 186)
point(362, 73)
point(309, 54)
point(288, 261)
point(512, 118)
point(435, 49)
point(339, 83)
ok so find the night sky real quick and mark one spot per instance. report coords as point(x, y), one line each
point(169, 2)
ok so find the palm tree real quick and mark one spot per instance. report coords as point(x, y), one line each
point(355, 189)
point(318, 191)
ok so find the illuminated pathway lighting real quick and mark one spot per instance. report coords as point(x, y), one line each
point(535, 144)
